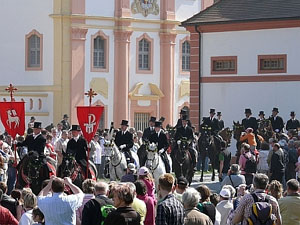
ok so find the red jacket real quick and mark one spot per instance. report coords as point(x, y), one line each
point(6, 218)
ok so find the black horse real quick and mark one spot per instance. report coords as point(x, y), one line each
point(182, 160)
point(32, 171)
point(208, 148)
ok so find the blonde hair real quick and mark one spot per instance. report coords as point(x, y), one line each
point(275, 189)
point(30, 200)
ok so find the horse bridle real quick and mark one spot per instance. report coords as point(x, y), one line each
point(152, 160)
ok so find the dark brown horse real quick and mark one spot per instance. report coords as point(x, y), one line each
point(226, 135)
point(265, 129)
point(238, 128)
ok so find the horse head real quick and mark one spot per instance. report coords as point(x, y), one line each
point(206, 137)
point(226, 134)
point(237, 130)
point(151, 154)
point(34, 165)
point(108, 147)
point(68, 164)
point(183, 144)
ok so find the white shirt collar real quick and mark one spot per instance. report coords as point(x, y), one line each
point(34, 136)
point(76, 138)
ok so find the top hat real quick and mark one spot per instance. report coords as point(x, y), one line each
point(157, 124)
point(32, 118)
point(162, 119)
point(248, 111)
point(293, 113)
point(212, 111)
point(75, 128)
point(185, 117)
point(261, 113)
point(152, 119)
point(275, 110)
point(124, 122)
point(37, 125)
point(66, 116)
point(219, 114)
point(183, 111)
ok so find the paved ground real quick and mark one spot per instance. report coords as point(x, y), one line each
point(214, 186)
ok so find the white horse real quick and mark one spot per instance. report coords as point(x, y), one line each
point(155, 163)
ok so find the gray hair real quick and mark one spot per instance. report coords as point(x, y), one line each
point(131, 186)
point(101, 187)
point(231, 189)
point(190, 198)
point(260, 181)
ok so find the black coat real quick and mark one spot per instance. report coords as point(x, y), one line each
point(221, 124)
point(277, 163)
point(34, 144)
point(179, 123)
point(91, 213)
point(184, 132)
point(161, 141)
point(251, 122)
point(277, 124)
point(292, 124)
point(78, 148)
point(126, 139)
point(66, 125)
point(147, 133)
point(214, 124)
point(123, 216)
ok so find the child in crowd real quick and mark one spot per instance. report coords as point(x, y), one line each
point(147, 178)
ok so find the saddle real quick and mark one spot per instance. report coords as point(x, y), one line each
point(93, 171)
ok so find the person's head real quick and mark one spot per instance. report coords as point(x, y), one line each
point(275, 189)
point(292, 186)
point(132, 187)
point(37, 215)
point(234, 169)
point(190, 198)
point(130, 168)
point(54, 132)
point(96, 137)
point(124, 125)
point(276, 147)
point(143, 173)
point(291, 144)
point(275, 111)
point(212, 112)
point(181, 184)
point(58, 185)
point(219, 115)
point(24, 192)
point(49, 138)
point(260, 181)
point(249, 130)
point(264, 146)
point(204, 192)
point(32, 119)
point(141, 188)
point(214, 199)
point(157, 126)
point(184, 120)
point(66, 117)
point(64, 134)
point(75, 130)
point(16, 194)
point(166, 182)
point(123, 195)
point(30, 201)
point(241, 189)
point(230, 189)
point(272, 142)
point(139, 134)
point(3, 187)
point(101, 188)
point(59, 126)
point(225, 194)
point(152, 121)
point(261, 114)
point(88, 186)
point(245, 147)
point(111, 188)
point(248, 113)
point(37, 128)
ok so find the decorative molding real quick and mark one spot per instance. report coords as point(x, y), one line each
point(25, 95)
point(279, 56)
point(145, 7)
point(156, 93)
point(223, 58)
point(100, 86)
point(184, 88)
point(155, 90)
point(79, 33)
point(37, 114)
point(122, 35)
point(40, 88)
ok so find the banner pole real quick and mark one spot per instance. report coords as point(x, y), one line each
point(87, 161)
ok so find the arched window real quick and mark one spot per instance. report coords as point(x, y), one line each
point(99, 52)
point(144, 54)
point(34, 51)
point(185, 56)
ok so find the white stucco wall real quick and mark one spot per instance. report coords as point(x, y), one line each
point(20, 18)
point(185, 9)
point(99, 8)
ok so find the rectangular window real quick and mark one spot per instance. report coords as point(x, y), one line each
point(141, 121)
point(144, 53)
point(272, 64)
point(185, 65)
point(99, 53)
point(34, 51)
point(224, 65)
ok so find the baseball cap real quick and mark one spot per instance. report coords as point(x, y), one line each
point(225, 193)
point(131, 166)
point(182, 181)
point(143, 171)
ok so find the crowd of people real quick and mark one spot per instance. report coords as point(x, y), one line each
point(262, 188)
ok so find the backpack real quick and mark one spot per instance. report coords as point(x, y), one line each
point(105, 209)
point(251, 164)
point(261, 212)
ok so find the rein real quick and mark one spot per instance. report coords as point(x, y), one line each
point(115, 166)
point(152, 160)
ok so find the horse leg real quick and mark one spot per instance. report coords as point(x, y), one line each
point(213, 169)
point(203, 165)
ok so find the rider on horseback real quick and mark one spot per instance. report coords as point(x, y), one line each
point(124, 141)
point(160, 139)
point(185, 131)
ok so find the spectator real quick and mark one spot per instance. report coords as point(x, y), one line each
point(275, 189)
point(169, 209)
point(224, 158)
point(29, 203)
point(277, 163)
point(7, 201)
point(262, 166)
point(214, 199)
point(88, 187)
point(125, 214)
point(60, 209)
point(289, 205)
point(205, 206)
point(180, 187)
point(130, 175)
point(147, 178)
point(91, 213)
point(244, 209)
point(272, 142)
point(193, 216)
point(6, 217)
point(225, 205)
point(234, 178)
point(20, 207)
point(137, 204)
point(290, 171)
point(246, 170)
point(97, 153)
point(232, 191)
point(249, 136)
point(38, 216)
point(141, 191)
point(61, 146)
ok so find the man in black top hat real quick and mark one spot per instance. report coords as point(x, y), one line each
point(124, 141)
point(77, 146)
point(179, 121)
point(160, 139)
point(292, 123)
point(65, 123)
point(276, 121)
point(36, 141)
point(212, 122)
point(149, 130)
point(261, 116)
point(220, 121)
point(186, 132)
point(250, 121)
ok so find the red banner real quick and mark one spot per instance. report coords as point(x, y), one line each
point(13, 117)
point(89, 118)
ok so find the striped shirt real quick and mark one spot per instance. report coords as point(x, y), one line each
point(59, 209)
